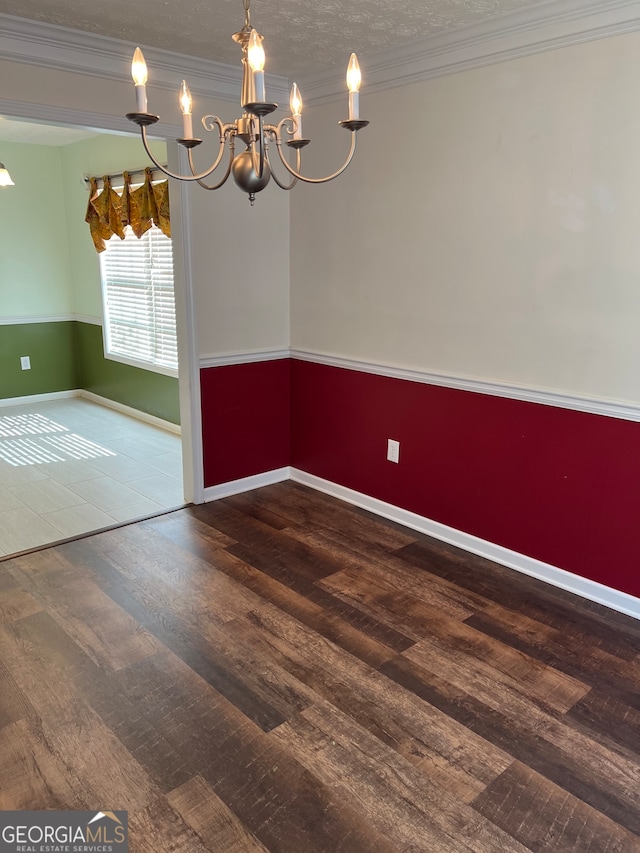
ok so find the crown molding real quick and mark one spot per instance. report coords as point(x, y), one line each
point(62, 49)
point(534, 29)
point(47, 114)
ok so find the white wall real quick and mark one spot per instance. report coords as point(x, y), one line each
point(488, 227)
point(34, 256)
point(241, 268)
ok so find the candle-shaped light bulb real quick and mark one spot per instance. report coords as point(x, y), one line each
point(185, 99)
point(255, 52)
point(185, 106)
point(295, 102)
point(139, 68)
point(354, 78)
point(255, 58)
point(139, 74)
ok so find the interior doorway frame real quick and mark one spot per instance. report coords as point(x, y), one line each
point(188, 359)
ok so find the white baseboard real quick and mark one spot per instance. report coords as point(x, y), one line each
point(246, 484)
point(591, 590)
point(94, 398)
point(128, 410)
point(39, 398)
point(585, 588)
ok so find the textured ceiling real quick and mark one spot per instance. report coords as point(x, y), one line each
point(300, 37)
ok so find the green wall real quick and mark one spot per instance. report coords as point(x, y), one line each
point(51, 348)
point(148, 392)
point(69, 355)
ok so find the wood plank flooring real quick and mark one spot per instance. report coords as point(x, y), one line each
point(279, 671)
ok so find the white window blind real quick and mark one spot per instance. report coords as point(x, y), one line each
point(138, 297)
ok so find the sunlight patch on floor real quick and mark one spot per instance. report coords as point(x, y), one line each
point(44, 448)
point(29, 424)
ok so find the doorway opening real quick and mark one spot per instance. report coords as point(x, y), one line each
point(68, 463)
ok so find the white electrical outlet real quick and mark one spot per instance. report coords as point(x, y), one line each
point(393, 450)
point(25, 362)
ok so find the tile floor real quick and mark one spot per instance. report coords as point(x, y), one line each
point(71, 466)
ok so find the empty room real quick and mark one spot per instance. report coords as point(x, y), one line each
point(393, 604)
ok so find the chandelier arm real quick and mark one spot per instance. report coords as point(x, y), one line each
point(211, 121)
point(223, 130)
point(287, 123)
point(279, 182)
point(296, 174)
point(143, 132)
point(273, 131)
point(217, 186)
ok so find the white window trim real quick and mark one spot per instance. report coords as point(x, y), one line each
point(143, 365)
point(118, 357)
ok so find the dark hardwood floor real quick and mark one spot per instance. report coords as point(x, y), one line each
point(278, 671)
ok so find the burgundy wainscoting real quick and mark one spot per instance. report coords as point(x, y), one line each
point(554, 484)
point(245, 419)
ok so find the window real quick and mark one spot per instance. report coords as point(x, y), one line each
point(138, 300)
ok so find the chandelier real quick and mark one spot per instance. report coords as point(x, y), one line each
point(251, 168)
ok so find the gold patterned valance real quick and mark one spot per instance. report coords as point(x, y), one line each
point(109, 213)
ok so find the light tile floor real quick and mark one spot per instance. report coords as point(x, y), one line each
point(71, 466)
